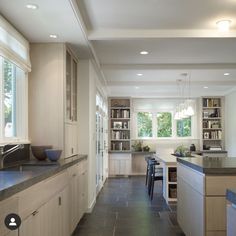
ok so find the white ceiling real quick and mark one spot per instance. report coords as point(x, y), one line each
point(181, 36)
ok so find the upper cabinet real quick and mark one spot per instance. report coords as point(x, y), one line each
point(53, 97)
point(212, 132)
point(71, 87)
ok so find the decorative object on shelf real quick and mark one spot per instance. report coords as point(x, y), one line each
point(39, 151)
point(117, 125)
point(53, 154)
point(192, 148)
point(185, 108)
point(137, 146)
point(146, 148)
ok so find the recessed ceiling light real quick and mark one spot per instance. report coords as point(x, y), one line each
point(144, 52)
point(54, 36)
point(139, 74)
point(223, 25)
point(136, 87)
point(32, 6)
point(226, 73)
point(205, 87)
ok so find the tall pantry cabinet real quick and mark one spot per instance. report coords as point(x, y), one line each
point(53, 97)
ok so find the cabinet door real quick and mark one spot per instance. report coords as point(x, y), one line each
point(65, 212)
point(125, 167)
point(12, 233)
point(32, 225)
point(74, 91)
point(68, 87)
point(114, 167)
point(71, 134)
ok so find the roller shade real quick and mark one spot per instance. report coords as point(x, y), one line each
point(14, 46)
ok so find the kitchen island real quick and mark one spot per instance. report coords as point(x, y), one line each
point(202, 184)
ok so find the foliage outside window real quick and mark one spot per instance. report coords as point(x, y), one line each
point(144, 123)
point(164, 124)
point(9, 98)
point(184, 127)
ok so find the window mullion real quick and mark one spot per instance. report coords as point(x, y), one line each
point(1, 99)
point(154, 124)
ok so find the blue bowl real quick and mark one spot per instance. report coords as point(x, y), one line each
point(53, 154)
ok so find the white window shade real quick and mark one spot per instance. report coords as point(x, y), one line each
point(14, 46)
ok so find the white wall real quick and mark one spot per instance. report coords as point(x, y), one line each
point(87, 86)
point(230, 124)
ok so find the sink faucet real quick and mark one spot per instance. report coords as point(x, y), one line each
point(4, 154)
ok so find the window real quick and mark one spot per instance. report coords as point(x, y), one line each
point(164, 124)
point(184, 127)
point(13, 100)
point(144, 124)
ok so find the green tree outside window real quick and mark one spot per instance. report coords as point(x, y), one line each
point(184, 127)
point(144, 121)
point(164, 124)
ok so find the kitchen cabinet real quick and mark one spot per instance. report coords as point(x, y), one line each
point(119, 164)
point(53, 97)
point(7, 206)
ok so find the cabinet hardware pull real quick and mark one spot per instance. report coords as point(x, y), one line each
point(35, 213)
point(59, 201)
point(73, 175)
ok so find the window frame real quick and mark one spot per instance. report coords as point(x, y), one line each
point(21, 105)
point(154, 126)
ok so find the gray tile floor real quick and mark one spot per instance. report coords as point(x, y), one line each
point(123, 208)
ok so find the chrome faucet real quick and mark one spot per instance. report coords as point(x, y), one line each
point(4, 154)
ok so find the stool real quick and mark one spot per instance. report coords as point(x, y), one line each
point(147, 158)
point(155, 174)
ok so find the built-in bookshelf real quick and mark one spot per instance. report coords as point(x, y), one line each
point(119, 124)
point(212, 122)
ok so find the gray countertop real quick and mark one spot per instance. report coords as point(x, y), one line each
point(211, 165)
point(133, 152)
point(231, 195)
point(12, 182)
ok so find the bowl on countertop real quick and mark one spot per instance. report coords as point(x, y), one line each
point(39, 151)
point(53, 154)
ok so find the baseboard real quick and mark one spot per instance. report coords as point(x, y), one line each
point(90, 208)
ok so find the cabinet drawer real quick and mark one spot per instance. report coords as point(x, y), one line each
point(7, 206)
point(191, 177)
point(55, 184)
point(217, 185)
point(31, 199)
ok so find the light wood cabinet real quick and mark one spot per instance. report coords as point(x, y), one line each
point(7, 206)
point(53, 97)
point(51, 207)
point(119, 164)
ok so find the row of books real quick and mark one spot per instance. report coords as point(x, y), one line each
point(117, 113)
point(119, 135)
point(211, 102)
point(213, 135)
point(211, 124)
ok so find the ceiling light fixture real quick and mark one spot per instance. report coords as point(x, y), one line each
point(32, 6)
point(144, 52)
point(136, 87)
point(139, 74)
point(205, 87)
point(226, 74)
point(53, 36)
point(223, 25)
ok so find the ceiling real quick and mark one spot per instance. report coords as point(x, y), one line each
point(180, 36)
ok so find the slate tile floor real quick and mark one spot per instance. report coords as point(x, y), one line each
point(123, 208)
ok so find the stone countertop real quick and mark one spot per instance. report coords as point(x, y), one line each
point(167, 159)
point(211, 165)
point(132, 152)
point(14, 181)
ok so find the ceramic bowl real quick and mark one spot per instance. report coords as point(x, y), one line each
point(39, 152)
point(53, 154)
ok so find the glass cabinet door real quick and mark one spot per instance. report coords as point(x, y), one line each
point(68, 86)
point(74, 91)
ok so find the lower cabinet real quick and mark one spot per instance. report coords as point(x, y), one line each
point(119, 164)
point(52, 207)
